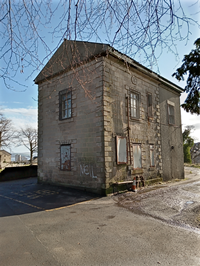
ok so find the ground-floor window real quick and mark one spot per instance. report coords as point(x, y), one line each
point(65, 157)
point(137, 156)
point(121, 145)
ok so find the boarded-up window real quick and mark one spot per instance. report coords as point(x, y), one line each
point(121, 145)
point(171, 114)
point(65, 157)
point(152, 162)
point(137, 156)
point(134, 105)
point(65, 104)
point(149, 105)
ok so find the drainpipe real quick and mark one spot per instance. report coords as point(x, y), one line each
point(128, 128)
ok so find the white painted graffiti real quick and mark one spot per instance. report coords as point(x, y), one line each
point(87, 169)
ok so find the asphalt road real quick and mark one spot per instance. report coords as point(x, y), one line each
point(26, 196)
point(176, 203)
point(42, 225)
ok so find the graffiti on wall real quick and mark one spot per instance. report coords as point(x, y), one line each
point(87, 170)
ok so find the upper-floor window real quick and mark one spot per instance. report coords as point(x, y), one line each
point(149, 105)
point(134, 105)
point(171, 118)
point(65, 104)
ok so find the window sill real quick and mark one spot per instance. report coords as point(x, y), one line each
point(65, 120)
point(134, 119)
point(136, 171)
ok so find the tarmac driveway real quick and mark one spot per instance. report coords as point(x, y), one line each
point(51, 226)
point(26, 196)
point(177, 203)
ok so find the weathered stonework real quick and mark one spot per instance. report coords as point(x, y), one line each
point(5, 158)
point(100, 94)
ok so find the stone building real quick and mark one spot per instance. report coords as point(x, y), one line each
point(5, 158)
point(195, 153)
point(104, 118)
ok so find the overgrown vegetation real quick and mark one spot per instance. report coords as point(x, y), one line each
point(188, 142)
point(191, 69)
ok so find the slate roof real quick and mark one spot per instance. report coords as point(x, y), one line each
point(72, 54)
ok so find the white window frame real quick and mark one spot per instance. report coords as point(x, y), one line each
point(134, 105)
point(171, 112)
point(65, 104)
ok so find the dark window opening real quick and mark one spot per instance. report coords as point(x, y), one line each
point(149, 105)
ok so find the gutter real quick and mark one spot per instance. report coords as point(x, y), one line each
point(143, 69)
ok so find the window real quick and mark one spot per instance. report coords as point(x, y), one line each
point(134, 105)
point(65, 157)
point(121, 145)
point(137, 156)
point(65, 104)
point(149, 105)
point(152, 162)
point(171, 118)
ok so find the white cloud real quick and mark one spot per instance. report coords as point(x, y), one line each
point(21, 117)
point(191, 120)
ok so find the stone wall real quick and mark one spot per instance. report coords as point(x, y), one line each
point(5, 158)
point(195, 153)
point(83, 131)
point(118, 81)
point(171, 141)
point(20, 172)
point(100, 97)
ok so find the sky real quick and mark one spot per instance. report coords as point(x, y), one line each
point(20, 104)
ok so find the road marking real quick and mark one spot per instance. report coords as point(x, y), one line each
point(47, 210)
point(33, 206)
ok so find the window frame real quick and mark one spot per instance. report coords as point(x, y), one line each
point(149, 105)
point(139, 145)
point(118, 140)
point(62, 164)
point(65, 93)
point(171, 117)
point(137, 108)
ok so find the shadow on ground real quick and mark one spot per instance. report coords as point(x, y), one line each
point(26, 196)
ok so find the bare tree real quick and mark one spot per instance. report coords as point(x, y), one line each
point(139, 28)
point(28, 137)
point(6, 131)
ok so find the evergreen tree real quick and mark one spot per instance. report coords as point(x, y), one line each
point(191, 67)
point(188, 142)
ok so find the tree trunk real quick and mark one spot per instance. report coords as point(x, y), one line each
point(31, 154)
